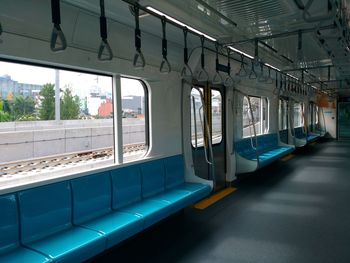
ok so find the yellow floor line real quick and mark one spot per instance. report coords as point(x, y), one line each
point(214, 198)
point(288, 157)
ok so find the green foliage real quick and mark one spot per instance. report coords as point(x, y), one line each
point(70, 106)
point(4, 116)
point(23, 106)
point(47, 108)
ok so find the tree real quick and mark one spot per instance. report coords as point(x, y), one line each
point(70, 106)
point(23, 106)
point(47, 97)
point(4, 116)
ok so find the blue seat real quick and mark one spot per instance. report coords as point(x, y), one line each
point(268, 149)
point(299, 133)
point(46, 225)
point(72, 221)
point(179, 193)
point(92, 208)
point(131, 192)
point(10, 249)
point(312, 137)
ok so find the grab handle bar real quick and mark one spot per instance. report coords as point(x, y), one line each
point(165, 66)
point(104, 46)
point(139, 61)
point(57, 33)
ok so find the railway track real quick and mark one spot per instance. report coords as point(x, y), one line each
point(64, 161)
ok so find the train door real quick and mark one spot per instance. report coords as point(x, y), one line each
point(208, 148)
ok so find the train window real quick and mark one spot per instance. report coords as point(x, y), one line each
point(216, 113)
point(196, 118)
point(298, 115)
point(134, 111)
point(53, 121)
point(260, 112)
point(282, 114)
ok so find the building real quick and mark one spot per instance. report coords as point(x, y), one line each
point(10, 88)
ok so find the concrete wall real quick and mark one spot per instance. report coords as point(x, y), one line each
point(28, 140)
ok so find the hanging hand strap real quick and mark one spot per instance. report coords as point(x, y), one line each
point(229, 82)
point(165, 66)
point(103, 33)
point(202, 74)
point(261, 75)
point(242, 71)
point(139, 60)
point(217, 77)
point(252, 74)
point(186, 70)
point(57, 33)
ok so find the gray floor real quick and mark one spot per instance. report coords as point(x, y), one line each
point(294, 211)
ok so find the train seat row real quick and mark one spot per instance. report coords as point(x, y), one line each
point(73, 220)
point(257, 153)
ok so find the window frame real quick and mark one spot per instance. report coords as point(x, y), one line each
point(211, 127)
point(147, 132)
point(262, 100)
point(27, 182)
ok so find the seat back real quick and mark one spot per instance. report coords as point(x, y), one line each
point(174, 171)
point(9, 229)
point(267, 141)
point(244, 147)
point(126, 186)
point(153, 178)
point(92, 197)
point(45, 210)
point(299, 133)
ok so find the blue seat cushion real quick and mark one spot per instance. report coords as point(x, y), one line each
point(9, 229)
point(153, 178)
point(151, 211)
point(312, 137)
point(184, 195)
point(272, 155)
point(91, 197)
point(23, 255)
point(174, 171)
point(73, 245)
point(126, 183)
point(116, 226)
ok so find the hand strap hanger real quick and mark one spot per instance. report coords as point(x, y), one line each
point(229, 82)
point(217, 80)
point(269, 79)
point(202, 74)
point(252, 74)
point(57, 34)
point(242, 71)
point(261, 77)
point(139, 60)
point(165, 66)
point(103, 33)
point(186, 71)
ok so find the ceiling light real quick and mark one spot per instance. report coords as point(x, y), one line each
point(180, 23)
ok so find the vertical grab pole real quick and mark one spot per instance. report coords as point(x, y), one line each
point(210, 147)
point(254, 130)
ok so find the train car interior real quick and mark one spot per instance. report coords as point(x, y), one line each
point(174, 131)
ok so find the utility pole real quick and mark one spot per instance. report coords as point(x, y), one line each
point(57, 96)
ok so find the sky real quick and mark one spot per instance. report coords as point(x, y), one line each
point(80, 83)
